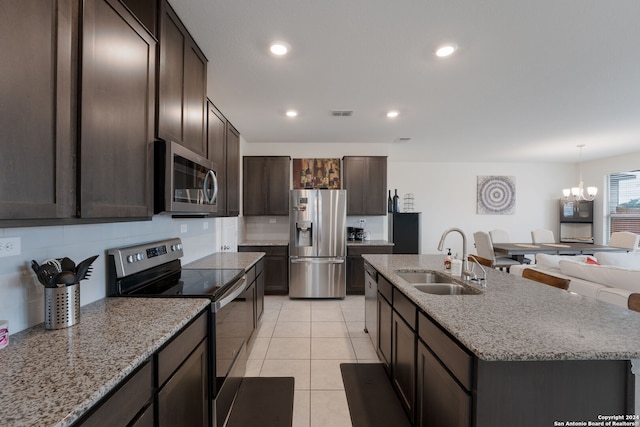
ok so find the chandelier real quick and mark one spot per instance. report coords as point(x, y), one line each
point(578, 193)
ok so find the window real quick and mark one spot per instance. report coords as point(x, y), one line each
point(624, 202)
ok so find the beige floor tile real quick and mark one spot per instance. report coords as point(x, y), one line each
point(326, 316)
point(326, 374)
point(301, 408)
point(259, 349)
point(292, 329)
point(353, 315)
point(325, 304)
point(356, 330)
point(270, 315)
point(265, 329)
point(353, 302)
point(273, 302)
point(299, 369)
point(329, 409)
point(369, 361)
point(289, 348)
point(296, 304)
point(295, 315)
point(329, 330)
point(253, 367)
point(332, 348)
point(363, 348)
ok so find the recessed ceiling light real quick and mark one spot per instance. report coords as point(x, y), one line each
point(291, 113)
point(446, 50)
point(279, 48)
point(392, 114)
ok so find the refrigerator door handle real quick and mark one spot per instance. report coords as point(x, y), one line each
point(317, 260)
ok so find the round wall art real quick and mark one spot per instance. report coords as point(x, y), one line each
point(496, 195)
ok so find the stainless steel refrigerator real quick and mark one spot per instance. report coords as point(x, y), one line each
point(317, 243)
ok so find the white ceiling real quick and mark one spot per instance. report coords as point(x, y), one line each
point(530, 81)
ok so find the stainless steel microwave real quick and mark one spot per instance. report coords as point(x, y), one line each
point(185, 182)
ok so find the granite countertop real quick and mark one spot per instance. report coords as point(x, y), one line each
point(264, 243)
point(244, 260)
point(517, 319)
point(52, 377)
point(369, 243)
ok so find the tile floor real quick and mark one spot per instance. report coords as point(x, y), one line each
point(308, 339)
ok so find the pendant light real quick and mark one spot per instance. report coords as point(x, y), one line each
point(577, 193)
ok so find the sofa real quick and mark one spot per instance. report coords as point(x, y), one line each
point(607, 276)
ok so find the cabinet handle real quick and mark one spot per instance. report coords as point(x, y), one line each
point(211, 176)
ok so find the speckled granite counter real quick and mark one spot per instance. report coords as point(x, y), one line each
point(51, 377)
point(369, 243)
point(516, 319)
point(227, 260)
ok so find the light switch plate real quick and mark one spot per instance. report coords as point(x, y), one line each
point(183, 228)
point(9, 246)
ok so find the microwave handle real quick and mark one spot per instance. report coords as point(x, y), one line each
point(210, 176)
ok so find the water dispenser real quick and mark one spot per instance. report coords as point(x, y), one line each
point(304, 233)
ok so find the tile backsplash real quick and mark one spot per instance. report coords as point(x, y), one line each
point(22, 297)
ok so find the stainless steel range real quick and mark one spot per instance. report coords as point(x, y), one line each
point(154, 270)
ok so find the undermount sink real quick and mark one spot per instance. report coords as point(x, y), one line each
point(432, 282)
point(413, 276)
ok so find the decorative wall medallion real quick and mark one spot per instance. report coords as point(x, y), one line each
point(316, 173)
point(496, 195)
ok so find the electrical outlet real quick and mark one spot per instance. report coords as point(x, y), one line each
point(205, 225)
point(183, 228)
point(9, 246)
point(272, 220)
point(363, 221)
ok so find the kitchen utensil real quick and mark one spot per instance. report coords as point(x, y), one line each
point(67, 264)
point(83, 270)
point(64, 278)
point(55, 263)
point(45, 274)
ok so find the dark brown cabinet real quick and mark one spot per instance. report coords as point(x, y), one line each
point(403, 351)
point(365, 179)
point(223, 147)
point(38, 41)
point(355, 266)
point(182, 85)
point(117, 113)
point(266, 182)
point(384, 321)
point(276, 268)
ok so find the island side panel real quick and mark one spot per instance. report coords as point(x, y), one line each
point(538, 393)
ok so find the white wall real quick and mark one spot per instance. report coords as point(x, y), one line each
point(22, 297)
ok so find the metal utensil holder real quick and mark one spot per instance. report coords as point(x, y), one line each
point(61, 306)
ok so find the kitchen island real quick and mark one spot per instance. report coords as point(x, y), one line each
point(518, 353)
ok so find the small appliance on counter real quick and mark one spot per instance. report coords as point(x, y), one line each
point(355, 233)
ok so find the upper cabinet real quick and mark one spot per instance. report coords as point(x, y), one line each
point(37, 110)
point(233, 171)
point(182, 85)
point(266, 182)
point(365, 179)
point(117, 113)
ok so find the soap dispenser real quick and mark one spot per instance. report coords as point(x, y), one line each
point(447, 260)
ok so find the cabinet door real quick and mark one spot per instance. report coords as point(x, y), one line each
point(184, 399)
point(375, 186)
point(233, 171)
point(259, 297)
point(279, 182)
point(38, 43)
point(355, 275)
point(217, 152)
point(195, 100)
point(253, 186)
point(117, 113)
point(440, 401)
point(384, 331)
point(354, 172)
point(403, 362)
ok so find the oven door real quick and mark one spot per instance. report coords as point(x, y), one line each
point(186, 182)
point(230, 352)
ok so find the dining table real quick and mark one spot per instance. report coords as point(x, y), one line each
point(517, 251)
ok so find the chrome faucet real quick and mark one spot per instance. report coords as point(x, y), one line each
point(483, 281)
point(466, 273)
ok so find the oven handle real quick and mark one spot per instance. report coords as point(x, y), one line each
point(232, 293)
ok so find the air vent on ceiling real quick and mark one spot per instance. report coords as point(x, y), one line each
point(341, 113)
point(403, 139)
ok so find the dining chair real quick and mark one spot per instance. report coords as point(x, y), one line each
point(542, 236)
point(499, 236)
point(484, 247)
point(547, 279)
point(624, 239)
point(634, 302)
point(482, 261)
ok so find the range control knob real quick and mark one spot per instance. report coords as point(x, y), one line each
point(130, 259)
point(139, 256)
point(176, 247)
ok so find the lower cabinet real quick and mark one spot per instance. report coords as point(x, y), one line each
point(403, 351)
point(355, 265)
point(276, 267)
point(384, 321)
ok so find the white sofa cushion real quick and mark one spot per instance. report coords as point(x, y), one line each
point(620, 259)
point(608, 275)
point(552, 262)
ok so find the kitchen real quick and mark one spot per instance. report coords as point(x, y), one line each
point(21, 298)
